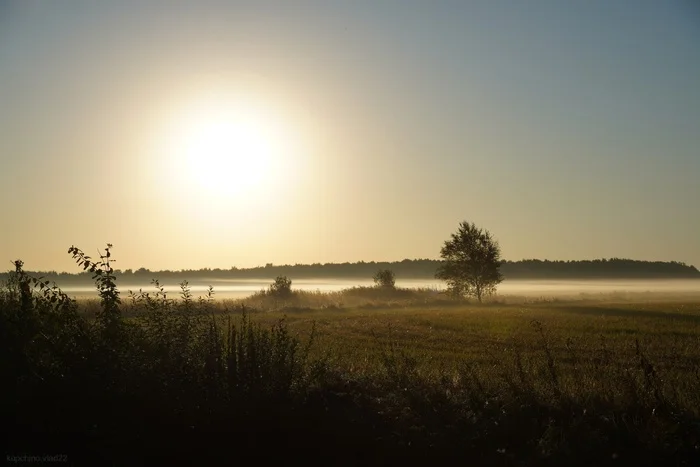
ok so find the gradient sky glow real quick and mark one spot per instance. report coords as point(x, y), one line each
point(569, 129)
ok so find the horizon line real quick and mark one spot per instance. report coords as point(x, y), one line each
point(272, 265)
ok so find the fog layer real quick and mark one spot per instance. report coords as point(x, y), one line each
point(226, 288)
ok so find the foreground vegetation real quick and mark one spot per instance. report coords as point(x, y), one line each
point(149, 379)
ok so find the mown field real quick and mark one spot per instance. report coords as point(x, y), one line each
point(585, 349)
point(623, 359)
point(444, 337)
point(359, 377)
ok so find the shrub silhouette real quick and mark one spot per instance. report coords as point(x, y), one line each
point(281, 287)
point(385, 279)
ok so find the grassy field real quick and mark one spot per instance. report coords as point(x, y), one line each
point(628, 362)
point(576, 334)
point(359, 377)
point(586, 349)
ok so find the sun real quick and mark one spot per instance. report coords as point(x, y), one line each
point(224, 152)
point(228, 156)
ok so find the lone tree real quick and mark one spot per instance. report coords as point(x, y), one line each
point(385, 279)
point(471, 261)
point(282, 287)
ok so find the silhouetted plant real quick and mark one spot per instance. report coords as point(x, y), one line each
point(256, 362)
point(103, 275)
point(281, 287)
point(385, 279)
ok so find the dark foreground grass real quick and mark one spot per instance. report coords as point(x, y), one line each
point(150, 380)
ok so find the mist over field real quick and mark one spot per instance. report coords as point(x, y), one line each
point(525, 278)
point(240, 288)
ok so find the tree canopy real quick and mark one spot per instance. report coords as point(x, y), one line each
point(471, 262)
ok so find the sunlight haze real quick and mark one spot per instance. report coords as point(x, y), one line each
point(219, 134)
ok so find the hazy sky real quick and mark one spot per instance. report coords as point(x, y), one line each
point(569, 129)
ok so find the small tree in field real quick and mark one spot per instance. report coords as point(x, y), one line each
point(471, 262)
point(385, 279)
point(282, 287)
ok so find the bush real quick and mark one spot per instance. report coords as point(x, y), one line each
point(281, 288)
point(385, 279)
point(66, 377)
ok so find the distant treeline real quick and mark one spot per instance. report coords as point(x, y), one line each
point(409, 269)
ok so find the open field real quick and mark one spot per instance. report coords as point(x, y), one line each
point(588, 345)
point(588, 349)
point(361, 376)
point(445, 336)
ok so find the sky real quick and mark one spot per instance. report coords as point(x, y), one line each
point(366, 130)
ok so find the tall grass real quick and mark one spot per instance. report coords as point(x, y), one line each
point(70, 378)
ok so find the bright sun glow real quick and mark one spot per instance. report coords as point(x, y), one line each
point(228, 156)
point(229, 151)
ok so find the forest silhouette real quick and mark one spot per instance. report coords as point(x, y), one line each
point(531, 269)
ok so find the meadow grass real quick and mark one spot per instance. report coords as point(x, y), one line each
point(357, 377)
point(590, 345)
